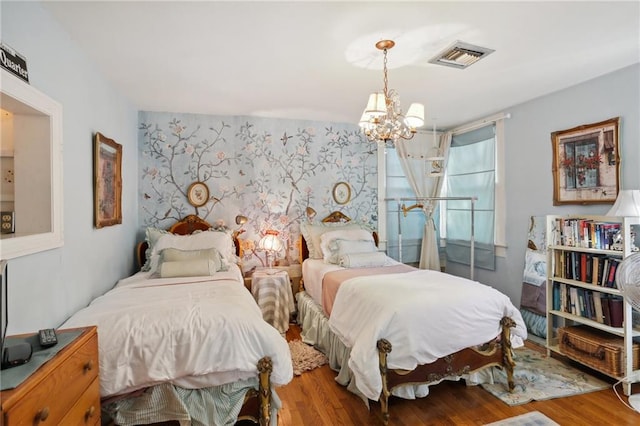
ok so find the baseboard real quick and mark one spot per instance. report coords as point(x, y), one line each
point(532, 338)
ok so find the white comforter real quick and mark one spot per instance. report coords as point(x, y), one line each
point(424, 314)
point(193, 332)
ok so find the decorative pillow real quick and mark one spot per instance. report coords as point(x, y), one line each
point(187, 268)
point(176, 255)
point(152, 235)
point(334, 243)
point(221, 241)
point(363, 260)
point(313, 232)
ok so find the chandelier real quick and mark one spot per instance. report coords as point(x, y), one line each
point(382, 119)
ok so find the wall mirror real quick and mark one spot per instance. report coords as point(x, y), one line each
point(31, 201)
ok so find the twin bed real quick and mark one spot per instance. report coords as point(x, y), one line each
point(183, 340)
point(394, 329)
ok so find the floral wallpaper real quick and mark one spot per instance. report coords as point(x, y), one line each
point(269, 170)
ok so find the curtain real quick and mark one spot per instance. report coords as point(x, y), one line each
point(425, 175)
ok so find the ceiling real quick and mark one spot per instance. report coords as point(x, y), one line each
point(318, 61)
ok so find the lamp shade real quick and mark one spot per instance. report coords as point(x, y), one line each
point(627, 204)
point(270, 241)
point(415, 115)
point(377, 105)
point(241, 220)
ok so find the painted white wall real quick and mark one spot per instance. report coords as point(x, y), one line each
point(47, 287)
point(529, 182)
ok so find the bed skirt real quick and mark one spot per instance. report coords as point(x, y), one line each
point(316, 332)
point(216, 405)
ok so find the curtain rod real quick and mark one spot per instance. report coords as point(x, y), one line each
point(480, 123)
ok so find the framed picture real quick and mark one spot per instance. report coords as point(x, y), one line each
point(198, 194)
point(107, 185)
point(586, 164)
point(341, 193)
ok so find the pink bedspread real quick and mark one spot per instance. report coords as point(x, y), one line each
point(332, 280)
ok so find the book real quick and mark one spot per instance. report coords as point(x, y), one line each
point(595, 264)
point(575, 303)
point(556, 297)
point(597, 307)
point(606, 315)
point(605, 272)
point(563, 298)
point(613, 268)
point(616, 308)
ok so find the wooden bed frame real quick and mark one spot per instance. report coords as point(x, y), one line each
point(257, 403)
point(497, 352)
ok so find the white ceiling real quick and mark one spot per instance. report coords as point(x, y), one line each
point(317, 60)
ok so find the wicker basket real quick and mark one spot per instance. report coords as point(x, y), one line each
point(599, 350)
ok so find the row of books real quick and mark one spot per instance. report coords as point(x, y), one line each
point(596, 269)
point(594, 305)
point(584, 233)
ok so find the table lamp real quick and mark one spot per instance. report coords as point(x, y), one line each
point(271, 244)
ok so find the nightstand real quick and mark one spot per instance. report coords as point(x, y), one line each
point(294, 272)
point(64, 390)
point(272, 291)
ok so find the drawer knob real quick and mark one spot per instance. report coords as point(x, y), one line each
point(89, 413)
point(88, 366)
point(42, 415)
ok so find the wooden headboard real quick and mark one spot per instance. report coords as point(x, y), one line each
point(186, 226)
point(333, 217)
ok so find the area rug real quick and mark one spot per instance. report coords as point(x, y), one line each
point(538, 377)
point(533, 418)
point(305, 357)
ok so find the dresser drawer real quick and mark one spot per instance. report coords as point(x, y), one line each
point(54, 396)
point(87, 409)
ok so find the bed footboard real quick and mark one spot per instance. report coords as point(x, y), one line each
point(495, 353)
point(257, 404)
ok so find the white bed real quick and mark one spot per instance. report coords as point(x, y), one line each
point(191, 331)
point(429, 318)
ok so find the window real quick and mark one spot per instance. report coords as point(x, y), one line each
point(471, 172)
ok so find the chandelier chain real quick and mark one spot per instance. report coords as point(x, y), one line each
point(386, 78)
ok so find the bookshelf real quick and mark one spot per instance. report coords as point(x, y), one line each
point(583, 255)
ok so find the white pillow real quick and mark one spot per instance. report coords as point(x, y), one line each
point(187, 268)
point(363, 260)
point(330, 243)
point(221, 241)
point(313, 232)
point(176, 255)
point(152, 235)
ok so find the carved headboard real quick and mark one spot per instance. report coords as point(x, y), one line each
point(186, 226)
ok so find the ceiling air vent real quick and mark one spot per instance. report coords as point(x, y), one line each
point(460, 55)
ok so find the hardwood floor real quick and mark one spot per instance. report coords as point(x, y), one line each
point(314, 398)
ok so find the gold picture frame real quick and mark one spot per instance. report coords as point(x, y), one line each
point(341, 193)
point(198, 194)
point(586, 164)
point(107, 184)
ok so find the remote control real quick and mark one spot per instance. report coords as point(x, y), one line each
point(47, 337)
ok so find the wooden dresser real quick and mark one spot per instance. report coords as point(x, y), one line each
point(64, 391)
